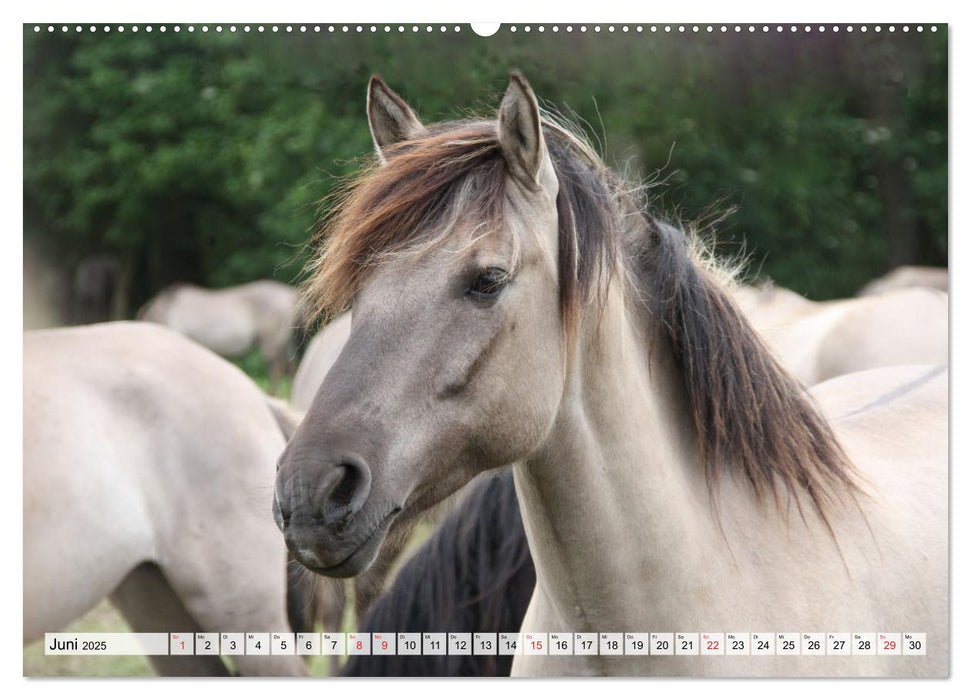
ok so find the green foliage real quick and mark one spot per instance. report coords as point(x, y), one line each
point(202, 157)
point(255, 366)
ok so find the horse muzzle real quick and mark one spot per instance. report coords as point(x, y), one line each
point(322, 509)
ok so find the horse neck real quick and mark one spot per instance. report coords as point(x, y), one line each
point(616, 491)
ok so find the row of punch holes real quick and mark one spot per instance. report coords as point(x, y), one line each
point(488, 30)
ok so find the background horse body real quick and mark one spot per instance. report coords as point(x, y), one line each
point(232, 321)
point(513, 302)
point(907, 276)
point(147, 467)
point(321, 354)
point(817, 341)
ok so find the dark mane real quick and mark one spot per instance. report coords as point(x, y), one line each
point(749, 415)
point(475, 574)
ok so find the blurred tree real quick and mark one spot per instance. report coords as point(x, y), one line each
point(201, 157)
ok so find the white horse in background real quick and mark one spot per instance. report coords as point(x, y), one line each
point(908, 276)
point(148, 468)
point(817, 341)
point(232, 321)
point(321, 354)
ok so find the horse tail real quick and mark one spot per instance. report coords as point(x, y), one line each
point(475, 574)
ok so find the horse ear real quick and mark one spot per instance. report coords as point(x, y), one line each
point(521, 135)
point(390, 118)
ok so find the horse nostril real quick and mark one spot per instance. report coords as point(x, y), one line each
point(346, 488)
point(353, 484)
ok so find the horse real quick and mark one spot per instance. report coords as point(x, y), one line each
point(423, 594)
point(440, 589)
point(473, 575)
point(907, 276)
point(515, 301)
point(817, 341)
point(232, 321)
point(148, 461)
point(321, 354)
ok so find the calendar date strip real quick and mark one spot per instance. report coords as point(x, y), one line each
point(489, 644)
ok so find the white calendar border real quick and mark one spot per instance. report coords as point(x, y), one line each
point(704, 10)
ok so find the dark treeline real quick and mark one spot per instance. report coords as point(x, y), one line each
point(202, 157)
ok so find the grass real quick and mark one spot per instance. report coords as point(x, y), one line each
point(103, 618)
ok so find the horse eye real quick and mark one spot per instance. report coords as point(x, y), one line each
point(487, 283)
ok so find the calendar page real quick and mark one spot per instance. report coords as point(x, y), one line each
point(514, 349)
